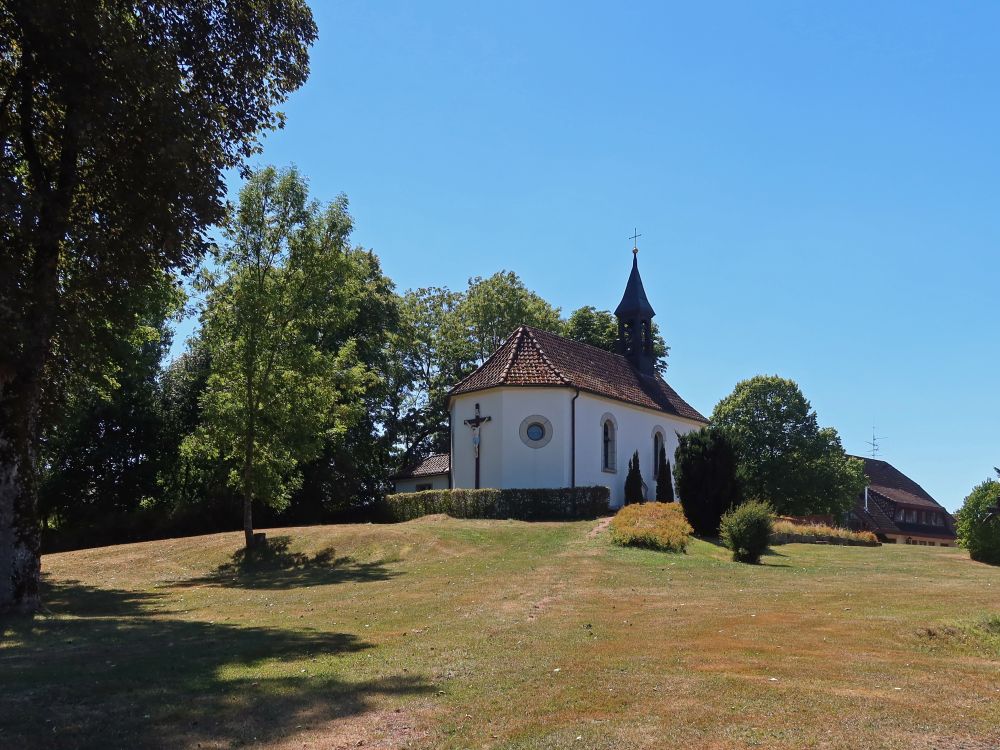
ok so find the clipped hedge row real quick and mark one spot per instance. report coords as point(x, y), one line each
point(786, 532)
point(561, 504)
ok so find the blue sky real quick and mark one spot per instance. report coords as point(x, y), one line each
point(816, 187)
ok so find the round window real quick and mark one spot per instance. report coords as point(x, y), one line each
point(535, 431)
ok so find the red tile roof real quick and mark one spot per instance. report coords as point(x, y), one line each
point(435, 463)
point(890, 489)
point(891, 483)
point(531, 357)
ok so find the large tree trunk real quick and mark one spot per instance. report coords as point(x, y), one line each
point(19, 533)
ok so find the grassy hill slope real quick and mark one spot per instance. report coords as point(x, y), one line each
point(447, 633)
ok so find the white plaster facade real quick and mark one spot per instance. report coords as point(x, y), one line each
point(507, 460)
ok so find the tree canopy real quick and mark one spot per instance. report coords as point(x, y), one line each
point(784, 457)
point(600, 328)
point(117, 122)
point(978, 522)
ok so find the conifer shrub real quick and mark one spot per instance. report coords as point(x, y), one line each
point(664, 478)
point(746, 530)
point(705, 473)
point(659, 526)
point(633, 481)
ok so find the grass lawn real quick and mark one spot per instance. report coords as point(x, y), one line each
point(469, 634)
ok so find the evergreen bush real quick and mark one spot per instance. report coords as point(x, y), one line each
point(633, 481)
point(705, 472)
point(746, 530)
point(664, 479)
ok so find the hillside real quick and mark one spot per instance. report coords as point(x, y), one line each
point(447, 633)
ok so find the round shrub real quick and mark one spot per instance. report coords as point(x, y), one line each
point(659, 526)
point(746, 530)
point(978, 523)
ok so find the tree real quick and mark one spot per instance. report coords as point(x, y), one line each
point(784, 457)
point(599, 328)
point(664, 480)
point(117, 122)
point(978, 522)
point(633, 481)
point(705, 469)
point(277, 387)
point(489, 311)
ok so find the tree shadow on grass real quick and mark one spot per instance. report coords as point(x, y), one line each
point(107, 669)
point(274, 566)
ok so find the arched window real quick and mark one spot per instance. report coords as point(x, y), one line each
point(608, 450)
point(657, 445)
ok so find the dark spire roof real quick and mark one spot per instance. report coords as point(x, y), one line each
point(634, 302)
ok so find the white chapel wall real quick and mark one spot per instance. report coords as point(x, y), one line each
point(505, 460)
point(635, 429)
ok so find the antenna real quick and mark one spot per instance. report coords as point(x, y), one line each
point(873, 444)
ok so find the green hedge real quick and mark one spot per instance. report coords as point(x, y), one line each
point(561, 504)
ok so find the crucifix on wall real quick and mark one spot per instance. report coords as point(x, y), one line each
point(475, 424)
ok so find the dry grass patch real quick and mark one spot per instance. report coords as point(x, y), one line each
point(784, 531)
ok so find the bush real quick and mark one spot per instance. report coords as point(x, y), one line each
point(560, 504)
point(746, 530)
point(633, 481)
point(664, 478)
point(978, 523)
point(705, 475)
point(660, 526)
point(784, 531)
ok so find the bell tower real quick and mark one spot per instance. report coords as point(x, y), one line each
point(635, 322)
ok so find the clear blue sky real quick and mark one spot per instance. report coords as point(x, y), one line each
point(816, 187)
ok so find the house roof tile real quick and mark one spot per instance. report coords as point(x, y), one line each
point(435, 463)
point(532, 357)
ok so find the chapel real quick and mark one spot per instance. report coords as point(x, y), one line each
point(547, 411)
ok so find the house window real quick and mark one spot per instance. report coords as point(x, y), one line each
point(900, 514)
point(424, 487)
point(911, 516)
point(608, 444)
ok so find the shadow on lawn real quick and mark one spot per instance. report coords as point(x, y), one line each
point(110, 668)
point(275, 566)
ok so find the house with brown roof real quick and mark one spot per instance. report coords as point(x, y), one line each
point(546, 411)
point(899, 511)
point(431, 473)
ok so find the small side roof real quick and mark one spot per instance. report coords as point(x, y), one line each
point(434, 464)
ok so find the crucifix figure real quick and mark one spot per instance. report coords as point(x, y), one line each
point(475, 424)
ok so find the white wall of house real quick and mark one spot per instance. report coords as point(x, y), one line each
point(414, 484)
point(507, 461)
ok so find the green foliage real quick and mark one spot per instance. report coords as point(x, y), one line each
point(705, 475)
point(599, 328)
point(658, 526)
point(562, 504)
point(118, 121)
point(633, 481)
point(277, 387)
point(746, 530)
point(664, 478)
point(978, 522)
point(784, 456)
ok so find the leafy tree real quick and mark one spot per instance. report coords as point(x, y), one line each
point(978, 522)
point(599, 328)
point(117, 122)
point(277, 387)
point(488, 313)
point(664, 480)
point(705, 469)
point(633, 481)
point(785, 458)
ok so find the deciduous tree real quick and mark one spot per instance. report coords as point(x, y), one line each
point(784, 456)
point(117, 121)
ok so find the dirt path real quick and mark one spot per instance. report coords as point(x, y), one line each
point(601, 526)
